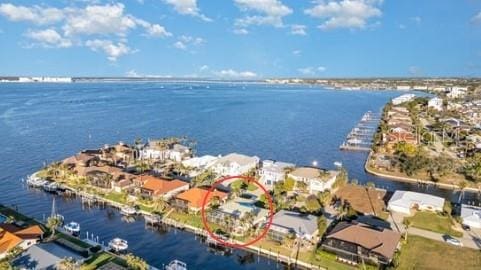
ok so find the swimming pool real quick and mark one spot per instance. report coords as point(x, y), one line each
point(3, 219)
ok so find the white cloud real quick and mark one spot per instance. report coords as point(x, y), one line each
point(184, 42)
point(416, 19)
point(311, 70)
point(180, 45)
point(113, 50)
point(187, 7)
point(49, 38)
point(298, 29)
point(132, 74)
point(351, 14)
point(204, 68)
point(34, 14)
point(241, 31)
point(296, 52)
point(230, 73)
point(79, 24)
point(267, 12)
point(476, 18)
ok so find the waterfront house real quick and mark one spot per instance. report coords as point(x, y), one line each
point(122, 185)
point(317, 180)
point(159, 150)
point(436, 103)
point(471, 216)
point(457, 92)
point(12, 236)
point(199, 164)
point(242, 212)
point(405, 201)
point(272, 172)
point(161, 188)
point(286, 223)
point(393, 138)
point(235, 164)
point(179, 152)
point(45, 256)
point(361, 243)
point(192, 199)
point(364, 200)
point(402, 99)
point(82, 160)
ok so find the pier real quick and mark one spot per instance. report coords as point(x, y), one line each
point(361, 136)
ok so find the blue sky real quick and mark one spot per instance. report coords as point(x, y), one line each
point(241, 38)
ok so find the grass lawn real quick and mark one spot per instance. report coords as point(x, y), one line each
point(116, 197)
point(238, 184)
point(433, 222)
point(100, 259)
point(325, 260)
point(422, 253)
point(191, 219)
point(273, 247)
point(73, 240)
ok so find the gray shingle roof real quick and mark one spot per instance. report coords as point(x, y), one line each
point(299, 223)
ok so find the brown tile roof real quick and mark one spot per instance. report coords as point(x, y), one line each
point(195, 196)
point(306, 172)
point(31, 232)
point(362, 199)
point(161, 186)
point(381, 241)
point(8, 241)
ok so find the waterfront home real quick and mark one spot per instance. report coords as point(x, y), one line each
point(402, 99)
point(471, 216)
point(393, 138)
point(122, 185)
point(317, 180)
point(160, 151)
point(364, 200)
point(81, 160)
point(436, 103)
point(192, 199)
point(286, 223)
point(361, 243)
point(405, 201)
point(12, 236)
point(272, 172)
point(160, 188)
point(235, 164)
point(243, 213)
point(199, 164)
point(398, 110)
point(45, 256)
point(457, 92)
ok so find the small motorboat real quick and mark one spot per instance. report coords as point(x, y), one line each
point(50, 187)
point(338, 164)
point(128, 211)
point(153, 219)
point(118, 245)
point(72, 228)
point(176, 265)
point(35, 181)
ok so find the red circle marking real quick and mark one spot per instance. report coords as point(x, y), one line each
point(260, 236)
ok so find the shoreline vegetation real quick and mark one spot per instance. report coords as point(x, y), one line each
point(415, 143)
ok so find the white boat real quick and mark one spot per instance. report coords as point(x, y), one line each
point(338, 164)
point(50, 186)
point(118, 245)
point(35, 181)
point(72, 228)
point(128, 211)
point(153, 219)
point(176, 265)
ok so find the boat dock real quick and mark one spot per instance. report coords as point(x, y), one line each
point(361, 136)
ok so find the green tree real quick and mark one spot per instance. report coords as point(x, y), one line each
point(67, 264)
point(206, 178)
point(321, 225)
point(472, 169)
point(136, 263)
point(312, 204)
point(5, 265)
point(289, 184)
point(325, 198)
point(53, 223)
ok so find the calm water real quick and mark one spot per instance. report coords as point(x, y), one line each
point(41, 123)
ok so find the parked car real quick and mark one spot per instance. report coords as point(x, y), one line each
point(466, 228)
point(452, 241)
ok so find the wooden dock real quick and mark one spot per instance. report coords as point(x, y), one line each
point(361, 136)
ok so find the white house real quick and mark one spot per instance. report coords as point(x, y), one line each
point(202, 162)
point(403, 87)
point(234, 164)
point(273, 171)
point(156, 151)
point(457, 92)
point(436, 103)
point(403, 98)
point(317, 180)
point(179, 152)
point(403, 201)
point(471, 216)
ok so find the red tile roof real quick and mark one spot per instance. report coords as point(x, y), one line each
point(195, 196)
point(161, 186)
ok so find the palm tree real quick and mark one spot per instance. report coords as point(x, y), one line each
point(135, 263)
point(67, 264)
point(52, 223)
point(159, 204)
